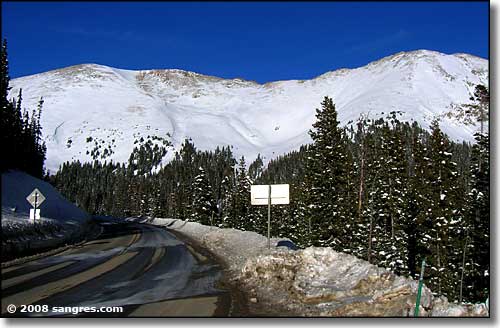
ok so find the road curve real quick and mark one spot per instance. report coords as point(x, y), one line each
point(145, 270)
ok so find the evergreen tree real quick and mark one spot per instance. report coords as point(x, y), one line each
point(21, 141)
point(476, 251)
point(475, 266)
point(8, 118)
point(225, 205)
point(416, 201)
point(203, 203)
point(241, 198)
point(445, 216)
point(389, 205)
point(480, 108)
point(255, 169)
point(326, 179)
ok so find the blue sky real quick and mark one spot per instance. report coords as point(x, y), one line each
point(251, 40)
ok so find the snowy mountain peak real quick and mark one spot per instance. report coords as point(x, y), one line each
point(90, 71)
point(90, 108)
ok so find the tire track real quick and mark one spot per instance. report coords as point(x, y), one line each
point(142, 268)
point(102, 244)
point(38, 293)
point(81, 262)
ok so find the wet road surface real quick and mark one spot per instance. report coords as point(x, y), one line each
point(145, 270)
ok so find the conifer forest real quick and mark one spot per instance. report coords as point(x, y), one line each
point(383, 190)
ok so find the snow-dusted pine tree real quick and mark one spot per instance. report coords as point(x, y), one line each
point(203, 207)
point(326, 180)
point(475, 279)
point(445, 215)
point(241, 198)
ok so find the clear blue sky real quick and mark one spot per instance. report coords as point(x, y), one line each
point(252, 40)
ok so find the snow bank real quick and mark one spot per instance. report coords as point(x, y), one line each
point(441, 308)
point(321, 282)
point(234, 246)
point(61, 222)
point(16, 186)
point(315, 281)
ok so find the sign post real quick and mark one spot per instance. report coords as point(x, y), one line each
point(36, 198)
point(269, 218)
point(270, 195)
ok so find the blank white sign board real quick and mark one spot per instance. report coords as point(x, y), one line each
point(34, 215)
point(280, 194)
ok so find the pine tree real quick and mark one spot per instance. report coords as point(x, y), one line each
point(7, 119)
point(255, 169)
point(445, 215)
point(21, 141)
point(475, 267)
point(203, 203)
point(417, 200)
point(226, 202)
point(392, 191)
point(241, 198)
point(476, 264)
point(480, 108)
point(326, 179)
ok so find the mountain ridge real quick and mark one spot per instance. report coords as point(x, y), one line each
point(106, 103)
point(458, 54)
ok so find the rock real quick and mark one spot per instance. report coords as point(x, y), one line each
point(442, 308)
point(480, 310)
point(422, 312)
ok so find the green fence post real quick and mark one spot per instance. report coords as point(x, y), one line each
point(420, 285)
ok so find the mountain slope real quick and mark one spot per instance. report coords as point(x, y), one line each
point(92, 107)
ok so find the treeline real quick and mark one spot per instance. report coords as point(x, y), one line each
point(206, 186)
point(383, 190)
point(22, 144)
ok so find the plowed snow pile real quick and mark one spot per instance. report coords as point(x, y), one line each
point(61, 222)
point(315, 281)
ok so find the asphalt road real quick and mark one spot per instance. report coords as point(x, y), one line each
point(145, 270)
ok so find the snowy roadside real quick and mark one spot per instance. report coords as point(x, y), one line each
point(315, 281)
point(61, 222)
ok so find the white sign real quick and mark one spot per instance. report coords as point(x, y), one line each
point(280, 194)
point(35, 198)
point(34, 216)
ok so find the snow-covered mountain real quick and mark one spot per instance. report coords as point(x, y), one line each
point(92, 107)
